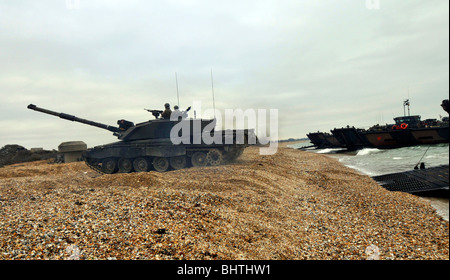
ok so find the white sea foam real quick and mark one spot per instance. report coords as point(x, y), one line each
point(362, 170)
point(367, 151)
point(328, 151)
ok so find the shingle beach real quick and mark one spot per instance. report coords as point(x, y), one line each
point(292, 205)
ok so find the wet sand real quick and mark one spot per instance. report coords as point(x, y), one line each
point(292, 205)
point(441, 206)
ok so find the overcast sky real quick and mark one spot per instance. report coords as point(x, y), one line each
point(322, 64)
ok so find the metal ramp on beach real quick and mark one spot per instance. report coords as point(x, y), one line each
point(414, 181)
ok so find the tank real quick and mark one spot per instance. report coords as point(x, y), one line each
point(148, 145)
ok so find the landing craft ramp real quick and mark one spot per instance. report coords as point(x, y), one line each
point(421, 180)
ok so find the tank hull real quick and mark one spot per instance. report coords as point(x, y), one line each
point(163, 155)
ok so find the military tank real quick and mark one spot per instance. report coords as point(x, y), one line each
point(149, 145)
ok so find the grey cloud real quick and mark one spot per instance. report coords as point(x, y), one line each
point(321, 63)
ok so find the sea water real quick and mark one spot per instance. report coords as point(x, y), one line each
point(375, 162)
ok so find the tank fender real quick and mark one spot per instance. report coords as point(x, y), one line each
point(133, 152)
point(102, 152)
point(163, 151)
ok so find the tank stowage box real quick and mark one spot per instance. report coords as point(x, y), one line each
point(148, 145)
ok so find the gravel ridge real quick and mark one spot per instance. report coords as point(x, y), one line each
point(292, 205)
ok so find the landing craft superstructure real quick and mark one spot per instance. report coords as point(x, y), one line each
point(150, 144)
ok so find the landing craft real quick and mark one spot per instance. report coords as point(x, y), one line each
point(406, 131)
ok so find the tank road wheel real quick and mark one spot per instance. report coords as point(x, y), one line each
point(214, 157)
point(161, 164)
point(109, 165)
point(198, 159)
point(178, 162)
point(140, 164)
point(125, 165)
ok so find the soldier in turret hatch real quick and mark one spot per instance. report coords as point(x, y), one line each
point(167, 112)
point(176, 112)
point(178, 115)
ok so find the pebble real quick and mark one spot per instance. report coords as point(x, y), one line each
point(292, 205)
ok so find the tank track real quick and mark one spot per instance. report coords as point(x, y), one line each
point(94, 167)
point(214, 159)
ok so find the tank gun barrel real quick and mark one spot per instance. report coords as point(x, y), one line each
point(73, 118)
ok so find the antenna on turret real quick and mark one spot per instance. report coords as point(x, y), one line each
point(178, 95)
point(212, 87)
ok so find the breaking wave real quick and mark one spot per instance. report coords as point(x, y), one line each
point(329, 151)
point(368, 151)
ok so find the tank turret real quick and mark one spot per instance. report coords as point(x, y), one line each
point(158, 128)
